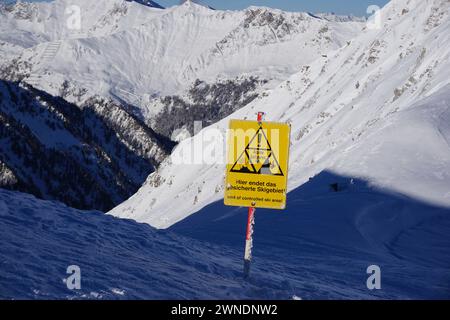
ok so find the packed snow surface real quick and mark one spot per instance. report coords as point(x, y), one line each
point(319, 248)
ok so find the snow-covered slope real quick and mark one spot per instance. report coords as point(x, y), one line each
point(377, 108)
point(319, 249)
point(26, 24)
point(45, 24)
point(165, 51)
point(118, 259)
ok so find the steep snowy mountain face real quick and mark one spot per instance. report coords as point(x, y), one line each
point(26, 24)
point(163, 52)
point(88, 157)
point(376, 108)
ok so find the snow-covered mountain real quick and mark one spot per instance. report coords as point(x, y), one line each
point(45, 25)
point(161, 70)
point(376, 108)
point(145, 51)
point(27, 24)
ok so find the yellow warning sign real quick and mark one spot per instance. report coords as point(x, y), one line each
point(257, 164)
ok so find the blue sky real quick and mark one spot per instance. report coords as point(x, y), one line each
point(356, 7)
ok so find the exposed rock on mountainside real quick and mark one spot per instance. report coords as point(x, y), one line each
point(88, 157)
point(203, 102)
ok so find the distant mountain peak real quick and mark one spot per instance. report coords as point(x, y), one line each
point(196, 2)
point(148, 3)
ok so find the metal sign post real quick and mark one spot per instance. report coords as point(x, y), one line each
point(250, 228)
point(249, 241)
point(257, 170)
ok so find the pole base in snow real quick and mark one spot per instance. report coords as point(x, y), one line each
point(247, 269)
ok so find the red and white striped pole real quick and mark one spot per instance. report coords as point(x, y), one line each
point(250, 228)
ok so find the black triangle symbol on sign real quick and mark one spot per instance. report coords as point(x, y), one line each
point(258, 157)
